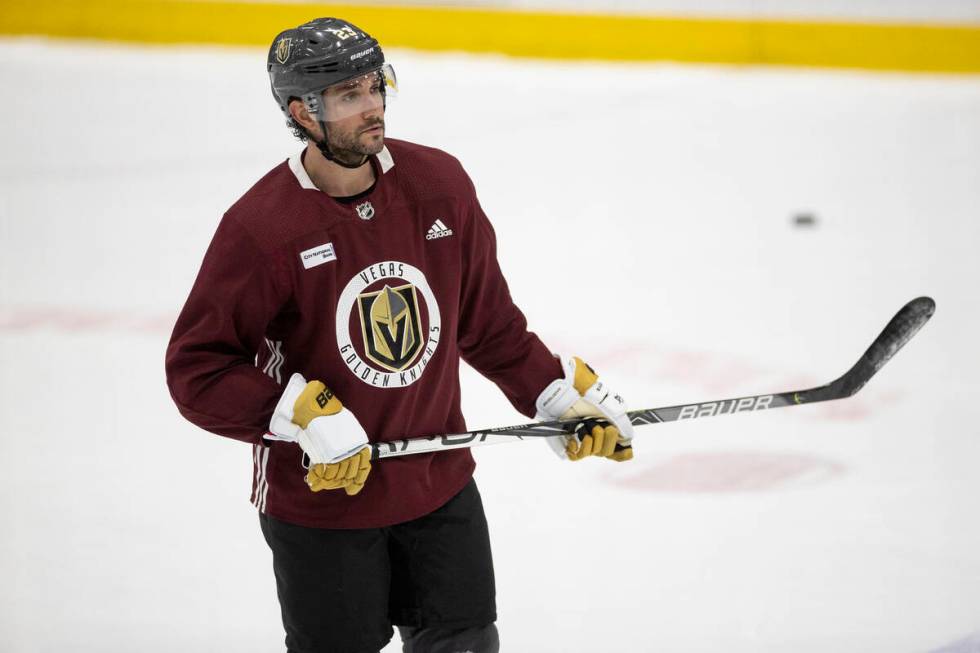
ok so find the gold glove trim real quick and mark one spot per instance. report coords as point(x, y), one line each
point(585, 376)
point(350, 474)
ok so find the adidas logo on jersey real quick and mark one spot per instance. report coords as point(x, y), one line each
point(438, 230)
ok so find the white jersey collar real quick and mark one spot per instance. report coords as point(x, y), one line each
point(384, 158)
point(303, 177)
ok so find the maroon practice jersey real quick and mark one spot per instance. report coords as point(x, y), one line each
point(378, 298)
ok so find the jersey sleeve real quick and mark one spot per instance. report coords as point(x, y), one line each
point(493, 332)
point(210, 361)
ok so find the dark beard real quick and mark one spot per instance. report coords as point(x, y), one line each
point(348, 147)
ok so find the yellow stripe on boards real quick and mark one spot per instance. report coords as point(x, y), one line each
point(881, 46)
point(873, 46)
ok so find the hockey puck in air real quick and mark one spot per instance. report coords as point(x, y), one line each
point(804, 220)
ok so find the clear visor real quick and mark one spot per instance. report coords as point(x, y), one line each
point(365, 94)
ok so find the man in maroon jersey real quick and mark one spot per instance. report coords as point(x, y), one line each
point(366, 263)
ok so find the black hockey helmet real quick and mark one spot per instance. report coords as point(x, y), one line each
point(305, 60)
point(326, 51)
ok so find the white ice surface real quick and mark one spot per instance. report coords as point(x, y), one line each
point(643, 214)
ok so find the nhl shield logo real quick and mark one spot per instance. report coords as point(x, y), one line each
point(283, 48)
point(365, 211)
point(391, 327)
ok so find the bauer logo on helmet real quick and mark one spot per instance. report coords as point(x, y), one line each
point(361, 54)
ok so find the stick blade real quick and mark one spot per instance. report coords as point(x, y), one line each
point(896, 333)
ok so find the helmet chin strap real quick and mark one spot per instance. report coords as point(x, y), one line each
point(329, 155)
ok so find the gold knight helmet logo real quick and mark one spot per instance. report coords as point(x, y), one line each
point(390, 326)
point(283, 48)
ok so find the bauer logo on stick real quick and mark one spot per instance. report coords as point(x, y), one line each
point(712, 408)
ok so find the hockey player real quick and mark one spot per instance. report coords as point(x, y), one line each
point(331, 310)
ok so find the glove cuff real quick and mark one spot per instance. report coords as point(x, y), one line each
point(559, 395)
point(556, 400)
point(331, 438)
point(282, 425)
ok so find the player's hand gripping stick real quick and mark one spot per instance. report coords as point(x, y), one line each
point(332, 438)
point(604, 430)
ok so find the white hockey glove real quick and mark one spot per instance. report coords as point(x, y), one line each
point(331, 437)
point(605, 429)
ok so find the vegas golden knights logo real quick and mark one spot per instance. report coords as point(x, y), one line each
point(283, 48)
point(390, 326)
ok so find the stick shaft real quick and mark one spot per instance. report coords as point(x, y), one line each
point(896, 333)
point(506, 434)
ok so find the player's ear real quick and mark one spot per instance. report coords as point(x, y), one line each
point(299, 113)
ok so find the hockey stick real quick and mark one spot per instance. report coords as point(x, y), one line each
point(899, 331)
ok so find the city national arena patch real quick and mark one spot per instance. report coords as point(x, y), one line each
point(317, 255)
point(388, 324)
